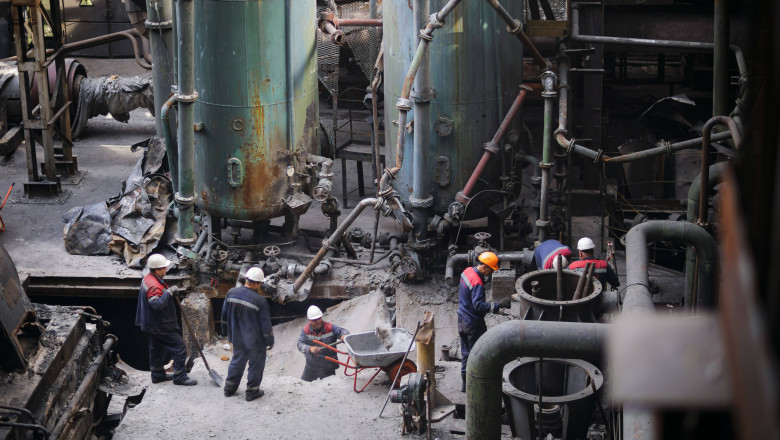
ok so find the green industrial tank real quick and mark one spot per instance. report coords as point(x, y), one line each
point(476, 68)
point(256, 116)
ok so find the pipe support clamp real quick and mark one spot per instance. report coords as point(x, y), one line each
point(183, 201)
point(517, 29)
point(403, 104)
point(491, 146)
point(167, 24)
point(187, 98)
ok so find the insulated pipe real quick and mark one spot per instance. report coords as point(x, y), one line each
point(421, 199)
point(638, 298)
point(715, 176)
point(492, 146)
point(548, 81)
point(334, 239)
point(525, 256)
point(515, 27)
point(508, 341)
point(170, 146)
point(705, 157)
point(89, 384)
point(186, 96)
point(158, 24)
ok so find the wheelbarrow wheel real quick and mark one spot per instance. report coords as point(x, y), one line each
point(406, 368)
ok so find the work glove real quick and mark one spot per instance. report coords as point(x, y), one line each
point(174, 291)
point(505, 303)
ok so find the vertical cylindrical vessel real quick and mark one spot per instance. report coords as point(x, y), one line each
point(475, 68)
point(250, 89)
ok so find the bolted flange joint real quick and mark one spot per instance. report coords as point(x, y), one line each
point(187, 98)
point(403, 104)
point(518, 27)
point(421, 203)
point(182, 201)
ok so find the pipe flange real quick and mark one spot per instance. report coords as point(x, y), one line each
point(183, 201)
point(559, 130)
point(421, 203)
point(326, 175)
point(668, 146)
point(188, 241)
point(427, 36)
point(528, 89)
point(462, 198)
point(187, 98)
point(570, 146)
point(543, 223)
point(545, 166)
point(167, 24)
point(517, 29)
point(435, 22)
point(597, 159)
point(403, 104)
point(491, 146)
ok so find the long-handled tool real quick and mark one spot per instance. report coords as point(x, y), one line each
point(2, 224)
point(214, 375)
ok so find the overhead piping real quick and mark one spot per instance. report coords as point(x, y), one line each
point(515, 27)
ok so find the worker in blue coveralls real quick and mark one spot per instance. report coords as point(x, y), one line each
point(248, 320)
point(472, 306)
point(545, 254)
point(317, 367)
point(156, 315)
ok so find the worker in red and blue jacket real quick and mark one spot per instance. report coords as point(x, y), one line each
point(472, 306)
point(317, 367)
point(602, 272)
point(156, 315)
point(246, 315)
point(545, 253)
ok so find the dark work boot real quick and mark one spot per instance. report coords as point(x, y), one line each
point(463, 386)
point(254, 394)
point(188, 382)
point(165, 378)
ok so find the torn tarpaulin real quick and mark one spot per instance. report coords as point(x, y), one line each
point(112, 94)
point(87, 230)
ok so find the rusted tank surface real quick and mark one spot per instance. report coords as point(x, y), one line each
point(257, 112)
point(476, 68)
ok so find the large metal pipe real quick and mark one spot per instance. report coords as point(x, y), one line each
point(715, 176)
point(548, 82)
point(159, 24)
point(705, 157)
point(186, 96)
point(720, 67)
point(508, 341)
point(88, 384)
point(638, 298)
point(421, 200)
point(515, 27)
point(492, 146)
point(170, 144)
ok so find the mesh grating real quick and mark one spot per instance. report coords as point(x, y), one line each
point(558, 8)
point(363, 41)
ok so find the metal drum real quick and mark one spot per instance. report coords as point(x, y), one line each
point(476, 69)
point(256, 75)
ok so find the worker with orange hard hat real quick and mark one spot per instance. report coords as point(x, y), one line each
point(472, 306)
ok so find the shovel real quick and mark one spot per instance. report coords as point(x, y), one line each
point(214, 375)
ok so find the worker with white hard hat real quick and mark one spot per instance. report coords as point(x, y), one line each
point(247, 317)
point(603, 271)
point(156, 315)
point(317, 367)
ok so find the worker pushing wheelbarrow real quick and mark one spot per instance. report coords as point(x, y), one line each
point(365, 350)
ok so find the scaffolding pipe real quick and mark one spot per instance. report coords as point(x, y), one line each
point(515, 27)
point(508, 341)
point(492, 146)
point(186, 96)
point(638, 298)
point(334, 238)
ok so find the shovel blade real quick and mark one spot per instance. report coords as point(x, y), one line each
point(216, 378)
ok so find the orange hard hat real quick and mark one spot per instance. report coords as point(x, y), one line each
point(489, 259)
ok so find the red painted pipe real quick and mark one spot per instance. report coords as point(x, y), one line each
point(497, 137)
point(359, 22)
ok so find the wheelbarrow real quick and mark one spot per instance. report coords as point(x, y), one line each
point(366, 351)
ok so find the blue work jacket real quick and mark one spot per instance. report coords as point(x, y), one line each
point(155, 312)
point(246, 315)
point(472, 306)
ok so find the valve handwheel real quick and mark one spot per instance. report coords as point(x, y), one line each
point(271, 251)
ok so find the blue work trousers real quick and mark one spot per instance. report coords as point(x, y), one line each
point(241, 356)
point(161, 344)
point(469, 333)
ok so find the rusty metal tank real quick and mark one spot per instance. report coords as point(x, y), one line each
point(257, 113)
point(476, 69)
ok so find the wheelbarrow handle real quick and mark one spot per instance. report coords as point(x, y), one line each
point(322, 344)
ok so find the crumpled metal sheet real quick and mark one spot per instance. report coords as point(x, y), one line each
point(87, 230)
point(112, 94)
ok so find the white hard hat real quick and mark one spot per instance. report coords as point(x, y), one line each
point(563, 260)
point(157, 261)
point(255, 274)
point(585, 244)
point(314, 313)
